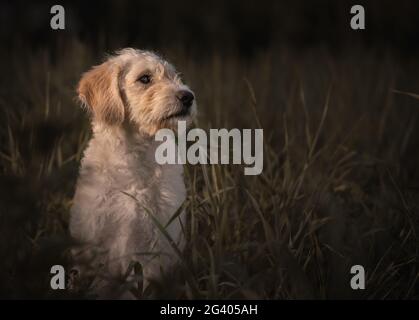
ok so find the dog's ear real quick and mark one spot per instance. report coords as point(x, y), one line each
point(98, 89)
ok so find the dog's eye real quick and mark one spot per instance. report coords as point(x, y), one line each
point(145, 79)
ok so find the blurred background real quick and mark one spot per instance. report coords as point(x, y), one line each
point(340, 116)
point(244, 27)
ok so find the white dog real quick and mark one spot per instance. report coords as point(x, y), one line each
point(121, 190)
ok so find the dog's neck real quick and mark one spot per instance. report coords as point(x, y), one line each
point(124, 140)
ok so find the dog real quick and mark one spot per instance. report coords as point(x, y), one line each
point(123, 198)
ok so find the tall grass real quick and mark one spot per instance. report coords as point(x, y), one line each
point(339, 185)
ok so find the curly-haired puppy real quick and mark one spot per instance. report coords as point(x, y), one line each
point(122, 191)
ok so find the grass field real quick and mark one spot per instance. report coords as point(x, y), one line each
point(339, 186)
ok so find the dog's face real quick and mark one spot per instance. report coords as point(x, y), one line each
point(139, 87)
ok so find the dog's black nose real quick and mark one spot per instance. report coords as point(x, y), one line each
point(186, 97)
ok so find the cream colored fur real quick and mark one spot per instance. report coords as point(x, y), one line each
point(120, 185)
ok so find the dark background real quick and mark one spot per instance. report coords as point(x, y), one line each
point(207, 26)
point(340, 181)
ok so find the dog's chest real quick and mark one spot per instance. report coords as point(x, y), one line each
point(157, 190)
point(118, 191)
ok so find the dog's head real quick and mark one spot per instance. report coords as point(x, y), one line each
point(139, 87)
